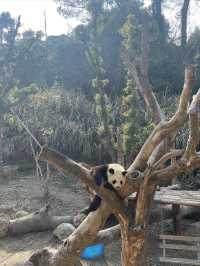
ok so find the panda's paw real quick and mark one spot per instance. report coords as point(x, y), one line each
point(84, 211)
point(136, 174)
point(65, 242)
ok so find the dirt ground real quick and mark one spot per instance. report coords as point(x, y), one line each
point(67, 197)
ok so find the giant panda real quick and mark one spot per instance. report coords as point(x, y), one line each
point(111, 176)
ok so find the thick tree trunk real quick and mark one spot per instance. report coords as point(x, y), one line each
point(133, 240)
point(133, 247)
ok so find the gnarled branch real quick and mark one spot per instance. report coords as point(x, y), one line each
point(165, 128)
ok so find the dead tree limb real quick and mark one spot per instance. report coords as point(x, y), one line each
point(165, 128)
point(169, 156)
point(84, 174)
point(36, 222)
point(191, 159)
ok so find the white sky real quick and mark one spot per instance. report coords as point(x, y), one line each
point(32, 15)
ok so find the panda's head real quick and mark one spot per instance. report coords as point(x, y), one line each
point(116, 175)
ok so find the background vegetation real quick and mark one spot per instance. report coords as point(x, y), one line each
point(75, 91)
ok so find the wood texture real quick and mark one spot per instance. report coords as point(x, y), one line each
point(179, 197)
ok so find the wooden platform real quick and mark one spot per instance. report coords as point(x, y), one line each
point(176, 197)
point(171, 242)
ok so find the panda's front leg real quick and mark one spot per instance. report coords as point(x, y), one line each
point(94, 205)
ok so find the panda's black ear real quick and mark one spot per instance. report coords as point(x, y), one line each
point(111, 171)
point(124, 173)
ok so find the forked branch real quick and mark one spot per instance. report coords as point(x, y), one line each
point(165, 128)
point(191, 158)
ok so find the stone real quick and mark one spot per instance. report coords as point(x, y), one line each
point(63, 230)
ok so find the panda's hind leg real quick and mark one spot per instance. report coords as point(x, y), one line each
point(93, 205)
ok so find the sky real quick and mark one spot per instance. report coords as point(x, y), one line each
point(32, 15)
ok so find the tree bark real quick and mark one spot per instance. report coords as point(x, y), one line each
point(133, 243)
point(184, 19)
point(157, 12)
point(134, 237)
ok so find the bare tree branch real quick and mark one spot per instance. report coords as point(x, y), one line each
point(164, 128)
point(194, 127)
point(169, 156)
point(78, 170)
point(174, 170)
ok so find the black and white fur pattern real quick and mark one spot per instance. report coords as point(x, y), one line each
point(111, 176)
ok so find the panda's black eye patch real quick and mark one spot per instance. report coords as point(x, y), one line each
point(121, 182)
point(114, 182)
point(111, 171)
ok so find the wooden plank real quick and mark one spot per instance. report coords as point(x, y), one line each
point(179, 247)
point(179, 197)
point(180, 238)
point(164, 250)
point(198, 253)
point(176, 215)
point(179, 261)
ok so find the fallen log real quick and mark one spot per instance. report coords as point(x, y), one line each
point(42, 221)
point(36, 222)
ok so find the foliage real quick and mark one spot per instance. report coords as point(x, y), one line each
point(65, 119)
point(7, 24)
point(136, 126)
point(88, 64)
point(70, 60)
point(131, 33)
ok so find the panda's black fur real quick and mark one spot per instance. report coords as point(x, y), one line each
point(102, 175)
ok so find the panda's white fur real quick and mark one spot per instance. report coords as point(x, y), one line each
point(116, 175)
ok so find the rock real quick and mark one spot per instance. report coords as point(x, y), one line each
point(63, 230)
point(9, 170)
point(4, 222)
point(21, 214)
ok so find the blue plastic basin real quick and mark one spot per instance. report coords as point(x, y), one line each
point(93, 252)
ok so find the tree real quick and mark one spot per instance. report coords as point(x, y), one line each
point(150, 160)
point(6, 25)
point(133, 233)
point(8, 34)
point(139, 34)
